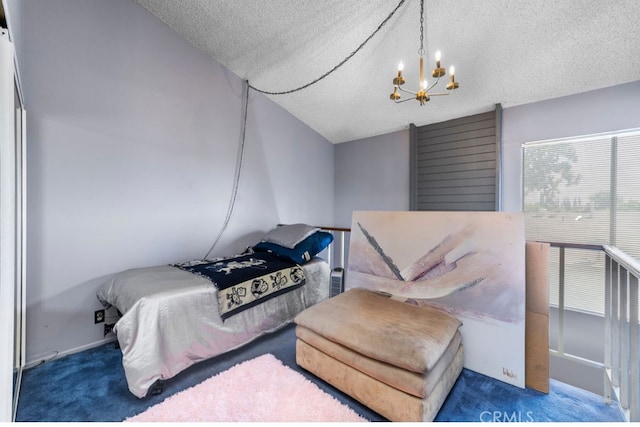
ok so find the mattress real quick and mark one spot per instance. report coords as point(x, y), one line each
point(170, 319)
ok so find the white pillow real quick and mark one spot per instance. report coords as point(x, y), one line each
point(289, 235)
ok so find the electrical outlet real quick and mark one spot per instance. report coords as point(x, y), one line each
point(108, 329)
point(98, 316)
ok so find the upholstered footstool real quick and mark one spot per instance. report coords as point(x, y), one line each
point(399, 359)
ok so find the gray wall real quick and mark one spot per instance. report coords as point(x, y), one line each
point(357, 187)
point(371, 174)
point(597, 111)
point(132, 140)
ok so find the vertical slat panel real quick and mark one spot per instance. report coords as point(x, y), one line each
point(608, 319)
point(634, 345)
point(413, 167)
point(607, 310)
point(343, 262)
point(444, 154)
point(615, 325)
point(622, 331)
point(561, 302)
point(624, 340)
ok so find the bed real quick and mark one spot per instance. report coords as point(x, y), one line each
point(173, 316)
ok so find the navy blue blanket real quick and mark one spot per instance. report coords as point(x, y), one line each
point(247, 280)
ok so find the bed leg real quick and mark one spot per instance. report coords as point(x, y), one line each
point(157, 388)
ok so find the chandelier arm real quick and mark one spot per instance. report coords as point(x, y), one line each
point(433, 85)
point(286, 92)
point(407, 91)
point(421, 50)
point(403, 100)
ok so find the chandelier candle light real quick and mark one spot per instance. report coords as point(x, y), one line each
point(423, 95)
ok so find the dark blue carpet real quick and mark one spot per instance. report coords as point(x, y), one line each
point(91, 386)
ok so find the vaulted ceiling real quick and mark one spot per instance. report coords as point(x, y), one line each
point(510, 52)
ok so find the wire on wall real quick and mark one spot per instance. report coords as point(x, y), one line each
point(239, 159)
point(246, 88)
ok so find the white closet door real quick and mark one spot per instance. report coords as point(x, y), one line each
point(8, 226)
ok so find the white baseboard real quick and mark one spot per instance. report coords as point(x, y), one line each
point(47, 357)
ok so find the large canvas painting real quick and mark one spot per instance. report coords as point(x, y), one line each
point(470, 264)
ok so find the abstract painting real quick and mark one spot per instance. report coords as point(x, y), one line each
point(470, 264)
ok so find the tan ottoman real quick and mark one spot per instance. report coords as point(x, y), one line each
point(398, 359)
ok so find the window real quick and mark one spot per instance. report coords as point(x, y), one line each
point(583, 190)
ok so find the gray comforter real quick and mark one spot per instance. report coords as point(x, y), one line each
point(170, 319)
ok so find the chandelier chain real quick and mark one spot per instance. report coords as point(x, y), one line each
point(286, 92)
point(421, 50)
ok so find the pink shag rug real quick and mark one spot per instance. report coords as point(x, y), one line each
point(262, 389)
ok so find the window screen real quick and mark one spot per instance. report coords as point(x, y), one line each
point(583, 190)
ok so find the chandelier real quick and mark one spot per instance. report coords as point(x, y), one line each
point(423, 95)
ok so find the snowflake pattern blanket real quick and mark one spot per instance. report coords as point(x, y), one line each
point(247, 280)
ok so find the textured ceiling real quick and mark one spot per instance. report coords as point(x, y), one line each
point(510, 52)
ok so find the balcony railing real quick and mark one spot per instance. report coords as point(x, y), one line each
point(621, 359)
point(621, 367)
point(621, 330)
point(336, 252)
point(562, 308)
